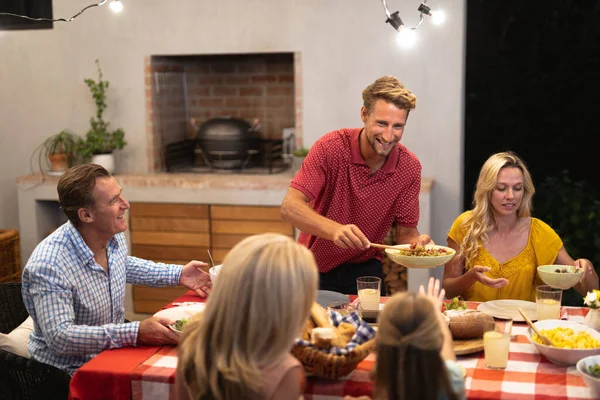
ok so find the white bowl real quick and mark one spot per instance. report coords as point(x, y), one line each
point(420, 261)
point(213, 272)
point(560, 280)
point(582, 366)
point(563, 356)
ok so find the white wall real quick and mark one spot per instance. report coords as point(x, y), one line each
point(345, 45)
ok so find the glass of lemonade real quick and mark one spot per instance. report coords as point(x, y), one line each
point(496, 342)
point(369, 292)
point(548, 301)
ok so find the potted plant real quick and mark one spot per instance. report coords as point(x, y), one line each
point(100, 141)
point(298, 158)
point(57, 152)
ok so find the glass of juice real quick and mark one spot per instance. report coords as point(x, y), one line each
point(548, 301)
point(369, 292)
point(496, 342)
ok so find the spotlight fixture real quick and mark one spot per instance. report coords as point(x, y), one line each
point(116, 6)
point(396, 22)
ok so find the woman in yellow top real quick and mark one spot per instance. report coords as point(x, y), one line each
point(499, 245)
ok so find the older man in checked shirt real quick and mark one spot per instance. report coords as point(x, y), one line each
point(74, 282)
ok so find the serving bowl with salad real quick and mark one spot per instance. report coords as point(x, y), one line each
point(589, 368)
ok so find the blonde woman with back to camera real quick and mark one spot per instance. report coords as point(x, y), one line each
point(415, 355)
point(499, 244)
point(240, 347)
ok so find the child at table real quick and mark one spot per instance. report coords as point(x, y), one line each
point(240, 347)
point(415, 358)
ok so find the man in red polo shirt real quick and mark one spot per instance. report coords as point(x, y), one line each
point(353, 184)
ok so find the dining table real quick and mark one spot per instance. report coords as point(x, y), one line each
point(148, 372)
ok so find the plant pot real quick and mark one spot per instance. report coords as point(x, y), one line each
point(592, 319)
point(297, 163)
point(105, 160)
point(59, 162)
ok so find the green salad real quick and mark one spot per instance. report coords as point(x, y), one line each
point(594, 370)
point(457, 303)
point(181, 323)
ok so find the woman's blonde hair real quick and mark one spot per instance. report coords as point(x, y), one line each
point(258, 306)
point(480, 221)
point(409, 340)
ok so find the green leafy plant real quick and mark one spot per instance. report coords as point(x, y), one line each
point(99, 139)
point(572, 209)
point(56, 151)
point(63, 142)
point(301, 152)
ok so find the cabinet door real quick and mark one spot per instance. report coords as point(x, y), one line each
point(231, 224)
point(169, 233)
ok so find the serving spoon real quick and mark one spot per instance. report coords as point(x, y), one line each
point(212, 262)
point(385, 246)
point(543, 338)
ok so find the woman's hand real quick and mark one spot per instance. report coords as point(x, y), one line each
point(589, 279)
point(479, 271)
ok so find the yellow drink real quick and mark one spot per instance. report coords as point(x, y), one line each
point(548, 309)
point(369, 299)
point(495, 347)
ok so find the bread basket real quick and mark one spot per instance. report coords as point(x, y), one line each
point(329, 365)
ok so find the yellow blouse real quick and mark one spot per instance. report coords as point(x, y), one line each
point(521, 271)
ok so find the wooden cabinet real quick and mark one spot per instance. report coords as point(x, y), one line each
point(230, 224)
point(178, 233)
point(169, 233)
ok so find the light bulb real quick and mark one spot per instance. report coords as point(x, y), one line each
point(438, 17)
point(116, 6)
point(406, 37)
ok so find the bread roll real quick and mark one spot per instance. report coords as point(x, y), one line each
point(466, 324)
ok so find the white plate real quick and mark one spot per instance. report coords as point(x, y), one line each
point(176, 313)
point(509, 309)
point(326, 297)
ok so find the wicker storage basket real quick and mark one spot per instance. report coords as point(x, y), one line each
point(331, 366)
point(10, 264)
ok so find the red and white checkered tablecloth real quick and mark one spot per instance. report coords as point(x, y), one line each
point(527, 376)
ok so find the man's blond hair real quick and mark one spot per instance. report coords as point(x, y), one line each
point(390, 89)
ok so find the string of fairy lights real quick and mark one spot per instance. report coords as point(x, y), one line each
point(115, 5)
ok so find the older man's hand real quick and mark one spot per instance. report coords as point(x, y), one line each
point(192, 277)
point(154, 331)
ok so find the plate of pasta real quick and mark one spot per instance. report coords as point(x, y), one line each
point(428, 256)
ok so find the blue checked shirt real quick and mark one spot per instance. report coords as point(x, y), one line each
point(77, 307)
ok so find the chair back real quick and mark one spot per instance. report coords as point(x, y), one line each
point(12, 308)
point(10, 258)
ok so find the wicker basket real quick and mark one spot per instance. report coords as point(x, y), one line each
point(10, 264)
point(331, 366)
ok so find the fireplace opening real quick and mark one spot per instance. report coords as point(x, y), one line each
point(249, 102)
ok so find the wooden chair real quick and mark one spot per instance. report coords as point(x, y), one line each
point(10, 263)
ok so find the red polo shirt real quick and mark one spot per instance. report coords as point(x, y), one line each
point(339, 184)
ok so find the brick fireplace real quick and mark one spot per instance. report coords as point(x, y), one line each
point(256, 86)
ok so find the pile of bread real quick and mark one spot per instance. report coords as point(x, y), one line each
point(466, 324)
point(320, 332)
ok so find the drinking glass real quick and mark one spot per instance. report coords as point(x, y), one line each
point(496, 342)
point(548, 302)
point(369, 292)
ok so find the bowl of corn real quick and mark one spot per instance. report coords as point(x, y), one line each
point(572, 341)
